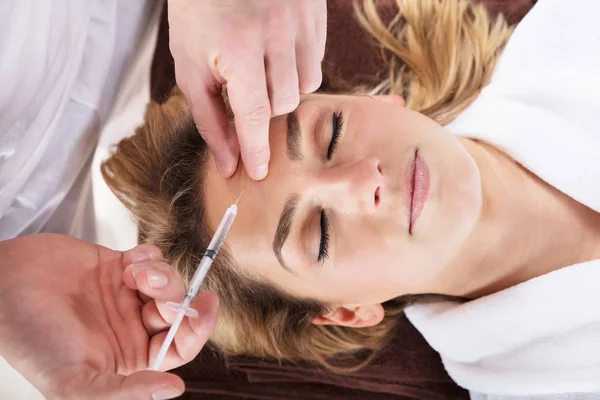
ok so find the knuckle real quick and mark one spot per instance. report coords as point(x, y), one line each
point(258, 115)
point(240, 39)
point(213, 139)
point(159, 265)
point(285, 104)
point(278, 21)
point(223, 64)
point(259, 152)
point(277, 14)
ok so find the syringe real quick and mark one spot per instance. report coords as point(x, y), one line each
point(183, 308)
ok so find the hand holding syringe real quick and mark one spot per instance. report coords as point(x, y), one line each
point(183, 308)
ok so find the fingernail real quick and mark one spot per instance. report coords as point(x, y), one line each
point(260, 172)
point(165, 393)
point(137, 256)
point(156, 279)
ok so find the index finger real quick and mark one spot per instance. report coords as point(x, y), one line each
point(249, 100)
point(211, 121)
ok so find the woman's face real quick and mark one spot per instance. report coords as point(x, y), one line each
point(365, 201)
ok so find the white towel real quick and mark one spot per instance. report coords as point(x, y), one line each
point(542, 107)
point(539, 337)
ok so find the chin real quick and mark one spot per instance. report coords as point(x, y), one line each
point(454, 206)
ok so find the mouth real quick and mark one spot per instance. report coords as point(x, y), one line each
point(417, 189)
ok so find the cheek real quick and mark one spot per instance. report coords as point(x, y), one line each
point(377, 271)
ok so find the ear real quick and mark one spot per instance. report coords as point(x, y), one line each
point(391, 98)
point(354, 317)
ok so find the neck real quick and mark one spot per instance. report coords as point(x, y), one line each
point(527, 228)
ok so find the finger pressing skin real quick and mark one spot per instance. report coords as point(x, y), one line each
point(155, 279)
point(210, 116)
point(248, 96)
point(191, 336)
point(282, 78)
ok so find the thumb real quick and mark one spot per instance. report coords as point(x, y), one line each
point(142, 385)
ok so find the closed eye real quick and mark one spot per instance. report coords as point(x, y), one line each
point(336, 135)
point(324, 242)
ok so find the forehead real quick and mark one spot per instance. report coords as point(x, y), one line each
point(251, 237)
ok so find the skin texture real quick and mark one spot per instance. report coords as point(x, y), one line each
point(487, 224)
point(266, 51)
point(81, 321)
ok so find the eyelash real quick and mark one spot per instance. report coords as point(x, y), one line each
point(324, 244)
point(338, 123)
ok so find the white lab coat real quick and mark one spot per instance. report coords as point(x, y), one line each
point(61, 62)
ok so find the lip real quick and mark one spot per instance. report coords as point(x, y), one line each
point(417, 189)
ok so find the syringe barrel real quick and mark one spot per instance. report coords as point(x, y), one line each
point(199, 276)
point(211, 252)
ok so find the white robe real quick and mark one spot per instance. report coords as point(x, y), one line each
point(542, 108)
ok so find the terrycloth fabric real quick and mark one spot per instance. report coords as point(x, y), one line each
point(542, 336)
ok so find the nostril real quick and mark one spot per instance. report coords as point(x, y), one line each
point(379, 168)
point(377, 196)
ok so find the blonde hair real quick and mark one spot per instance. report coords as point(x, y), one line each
point(441, 53)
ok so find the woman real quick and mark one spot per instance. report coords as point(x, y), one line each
point(373, 205)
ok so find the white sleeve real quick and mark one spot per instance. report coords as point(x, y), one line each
point(39, 40)
point(40, 54)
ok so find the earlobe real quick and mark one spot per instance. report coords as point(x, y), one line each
point(354, 317)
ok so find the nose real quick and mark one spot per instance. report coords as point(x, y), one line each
point(355, 187)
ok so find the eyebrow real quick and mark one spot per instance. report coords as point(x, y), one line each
point(294, 137)
point(284, 227)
